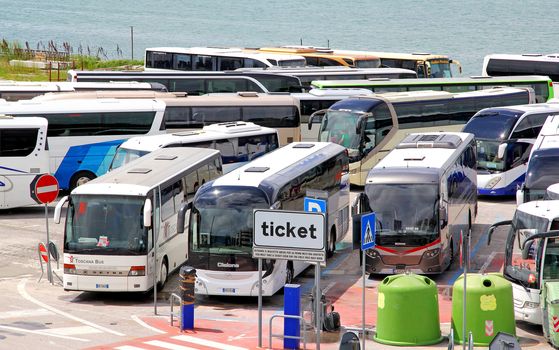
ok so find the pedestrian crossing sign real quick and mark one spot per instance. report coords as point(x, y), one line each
point(368, 231)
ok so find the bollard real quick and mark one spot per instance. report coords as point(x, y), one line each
point(292, 307)
point(188, 278)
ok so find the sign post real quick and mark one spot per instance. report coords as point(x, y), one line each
point(44, 189)
point(368, 234)
point(289, 235)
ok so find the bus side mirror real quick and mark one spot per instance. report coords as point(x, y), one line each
point(318, 115)
point(526, 250)
point(493, 227)
point(501, 150)
point(58, 209)
point(147, 213)
point(520, 195)
point(181, 216)
point(428, 69)
point(362, 119)
point(443, 216)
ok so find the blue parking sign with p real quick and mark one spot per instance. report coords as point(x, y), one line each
point(368, 231)
point(315, 205)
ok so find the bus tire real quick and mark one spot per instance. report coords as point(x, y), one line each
point(80, 178)
point(289, 273)
point(331, 243)
point(163, 274)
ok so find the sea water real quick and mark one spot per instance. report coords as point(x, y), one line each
point(465, 30)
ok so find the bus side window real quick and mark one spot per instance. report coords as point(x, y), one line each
point(215, 169)
point(227, 150)
point(167, 202)
point(192, 184)
point(204, 174)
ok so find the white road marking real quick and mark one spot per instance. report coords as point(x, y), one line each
point(14, 277)
point(165, 345)
point(73, 330)
point(143, 324)
point(41, 332)
point(128, 347)
point(25, 313)
point(325, 290)
point(208, 343)
point(23, 293)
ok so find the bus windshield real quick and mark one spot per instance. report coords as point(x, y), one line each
point(222, 220)
point(523, 226)
point(440, 69)
point(124, 156)
point(541, 173)
point(406, 214)
point(492, 125)
point(339, 127)
point(105, 225)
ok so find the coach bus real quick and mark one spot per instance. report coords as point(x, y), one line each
point(542, 85)
point(198, 83)
point(541, 171)
point(24, 156)
point(83, 134)
point(309, 74)
point(424, 195)
point(214, 59)
point(221, 217)
point(528, 268)
point(23, 90)
point(504, 138)
point(426, 65)
point(121, 228)
point(324, 57)
point(370, 126)
point(278, 111)
point(526, 64)
point(237, 142)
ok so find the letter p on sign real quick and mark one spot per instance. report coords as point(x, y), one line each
point(315, 205)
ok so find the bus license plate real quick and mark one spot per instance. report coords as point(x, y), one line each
point(399, 271)
point(228, 290)
point(105, 286)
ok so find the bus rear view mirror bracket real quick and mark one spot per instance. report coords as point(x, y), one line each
point(494, 226)
point(316, 115)
point(181, 216)
point(58, 209)
point(147, 213)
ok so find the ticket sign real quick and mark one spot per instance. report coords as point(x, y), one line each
point(289, 235)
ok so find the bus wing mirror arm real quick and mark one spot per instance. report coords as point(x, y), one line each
point(494, 226)
point(548, 234)
point(316, 115)
point(58, 209)
point(181, 216)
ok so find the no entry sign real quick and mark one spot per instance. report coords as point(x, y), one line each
point(44, 188)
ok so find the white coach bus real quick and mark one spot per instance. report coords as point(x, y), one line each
point(24, 155)
point(424, 194)
point(120, 225)
point(221, 217)
point(237, 142)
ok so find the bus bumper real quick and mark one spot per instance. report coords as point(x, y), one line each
point(426, 263)
point(105, 283)
point(243, 283)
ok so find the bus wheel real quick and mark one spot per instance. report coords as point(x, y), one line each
point(289, 273)
point(80, 178)
point(331, 243)
point(163, 274)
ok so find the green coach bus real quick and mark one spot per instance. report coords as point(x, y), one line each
point(542, 85)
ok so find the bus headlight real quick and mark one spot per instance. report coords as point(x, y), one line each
point(432, 253)
point(70, 269)
point(372, 253)
point(494, 181)
point(137, 271)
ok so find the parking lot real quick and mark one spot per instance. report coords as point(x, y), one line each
point(39, 315)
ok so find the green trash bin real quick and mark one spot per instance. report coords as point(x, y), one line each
point(408, 311)
point(489, 305)
point(550, 294)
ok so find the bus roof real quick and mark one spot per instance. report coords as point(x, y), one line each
point(545, 209)
point(328, 94)
point(225, 51)
point(72, 86)
point(8, 121)
point(525, 57)
point(79, 105)
point(550, 127)
point(419, 158)
point(273, 170)
point(207, 133)
point(529, 108)
point(432, 81)
point(330, 70)
point(396, 55)
point(137, 178)
point(315, 52)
